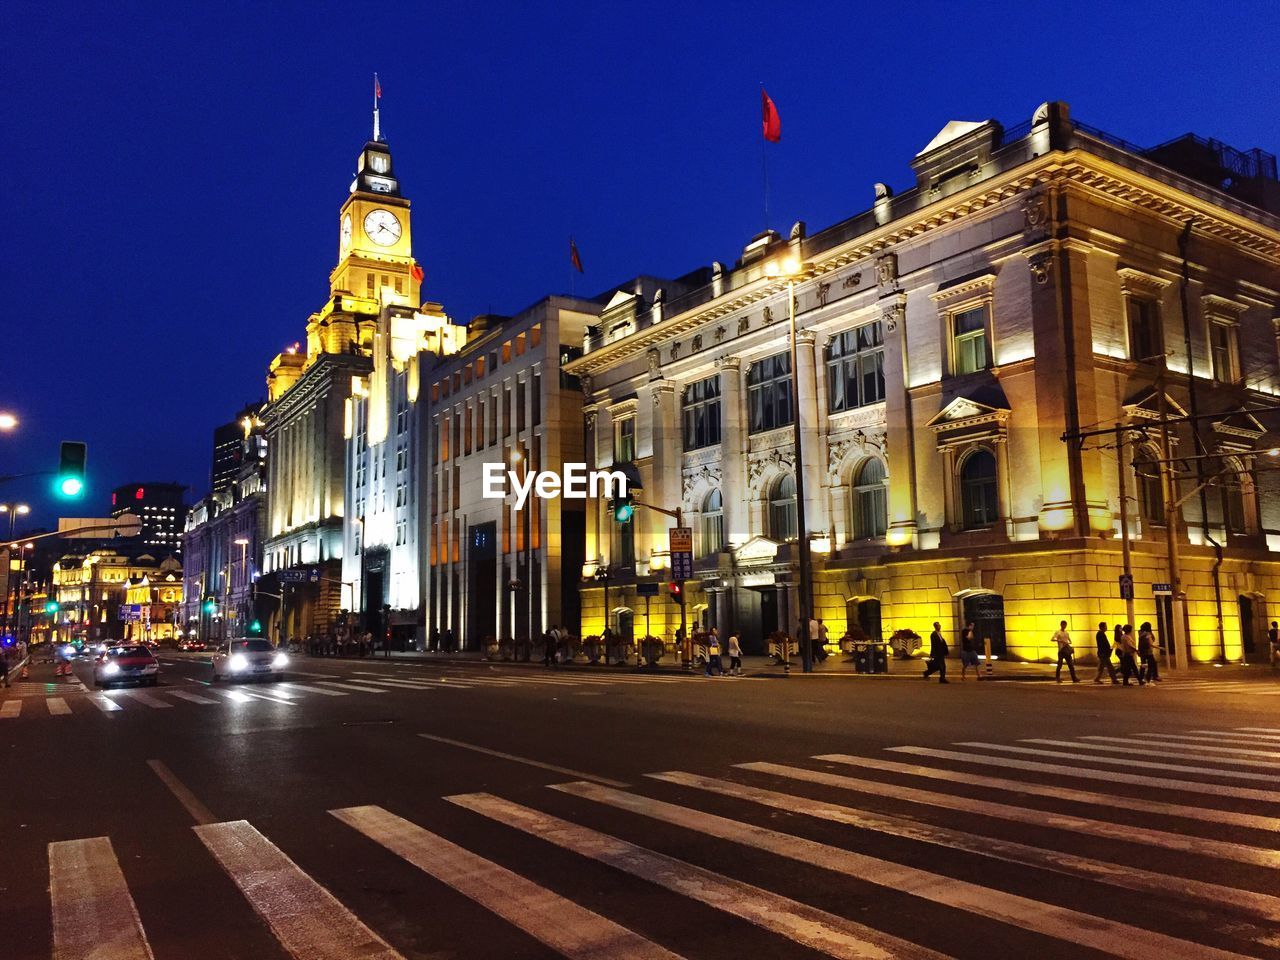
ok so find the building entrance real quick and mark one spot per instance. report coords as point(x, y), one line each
point(986, 612)
point(482, 583)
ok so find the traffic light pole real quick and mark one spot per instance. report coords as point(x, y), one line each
point(678, 514)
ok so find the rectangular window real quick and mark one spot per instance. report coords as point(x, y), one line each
point(1222, 350)
point(520, 385)
point(855, 368)
point(493, 360)
point(480, 424)
point(493, 421)
point(624, 440)
point(702, 414)
point(535, 398)
point(368, 284)
point(506, 412)
point(457, 430)
point(969, 341)
point(466, 430)
point(769, 393)
point(1143, 317)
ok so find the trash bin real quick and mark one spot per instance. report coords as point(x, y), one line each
point(879, 658)
point(861, 659)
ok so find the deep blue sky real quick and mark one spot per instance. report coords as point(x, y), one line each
point(174, 171)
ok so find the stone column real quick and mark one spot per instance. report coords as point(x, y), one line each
point(810, 412)
point(733, 447)
point(667, 474)
point(899, 432)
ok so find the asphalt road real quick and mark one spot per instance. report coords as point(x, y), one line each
point(380, 810)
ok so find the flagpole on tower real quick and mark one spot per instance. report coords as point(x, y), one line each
point(377, 95)
point(764, 164)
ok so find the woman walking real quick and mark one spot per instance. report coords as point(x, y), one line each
point(1129, 656)
point(1147, 651)
point(735, 654)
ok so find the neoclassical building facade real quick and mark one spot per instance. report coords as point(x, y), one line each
point(1010, 377)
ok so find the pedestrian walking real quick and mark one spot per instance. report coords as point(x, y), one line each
point(1104, 655)
point(550, 644)
point(1147, 648)
point(1066, 653)
point(713, 654)
point(1273, 641)
point(937, 655)
point(1129, 656)
point(969, 651)
point(735, 654)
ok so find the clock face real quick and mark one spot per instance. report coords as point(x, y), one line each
point(382, 227)
point(346, 231)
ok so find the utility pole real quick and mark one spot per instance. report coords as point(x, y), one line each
point(1126, 559)
point(1171, 507)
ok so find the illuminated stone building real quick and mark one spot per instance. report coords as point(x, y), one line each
point(383, 544)
point(1028, 286)
point(492, 570)
point(308, 391)
point(91, 586)
point(222, 543)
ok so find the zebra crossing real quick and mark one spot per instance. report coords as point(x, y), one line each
point(945, 802)
point(76, 699)
point(1171, 684)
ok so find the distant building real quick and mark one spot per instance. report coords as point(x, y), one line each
point(159, 506)
point(228, 446)
point(92, 587)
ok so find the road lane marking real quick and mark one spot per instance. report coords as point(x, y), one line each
point(1267, 732)
point(193, 697)
point(1165, 747)
point(93, 913)
point(1173, 752)
point(309, 922)
point(349, 687)
point(798, 922)
point(10, 709)
point(1081, 773)
point(57, 707)
point(310, 689)
point(1207, 895)
point(1122, 761)
point(565, 771)
point(1118, 938)
point(104, 703)
point(1194, 741)
point(199, 812)
point(245, 696)
point(564, 926)
point(1206, 814)
point(145, 698)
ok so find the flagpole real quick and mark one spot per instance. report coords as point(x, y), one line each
point(377, 133)
point(764, 166)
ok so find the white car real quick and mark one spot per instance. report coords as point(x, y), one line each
point(248, 657)
point(126, 664)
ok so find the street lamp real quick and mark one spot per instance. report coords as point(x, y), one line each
point(243, 544)
point(8, 421)
point(14, 510)
point(517, 457)
point(792, 268)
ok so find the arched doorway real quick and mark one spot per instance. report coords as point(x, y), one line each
point(986, 612)
point(864, 614)
point(626, 624)
point(1253, 626)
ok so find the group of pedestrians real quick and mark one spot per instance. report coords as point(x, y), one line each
point(715, 666)
point(1137, 657)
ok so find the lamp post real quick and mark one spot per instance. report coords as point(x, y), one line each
point(792, 269)
point(243, 544)
point(8, 421)
point(518, 457)
point(14, 510)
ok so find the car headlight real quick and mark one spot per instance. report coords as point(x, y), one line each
point(238, 662)
point(111, 668)
point(68, 651)
point(280, 662)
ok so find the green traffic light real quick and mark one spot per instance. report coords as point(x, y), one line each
point(51, 607)
point(255, 627)
point(70, 486)
point(210, 606)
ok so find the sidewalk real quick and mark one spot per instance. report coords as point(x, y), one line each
point(836, 665)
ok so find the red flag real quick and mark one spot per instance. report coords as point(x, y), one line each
point(377, 88)
point(772, 122)
point(574, 257)
point(417, 273)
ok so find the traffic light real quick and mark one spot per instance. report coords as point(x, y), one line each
point(70, 480)
point(210, 606)
point(677, 591)
point(255, 627)
point(623, 507)
point(51, 607)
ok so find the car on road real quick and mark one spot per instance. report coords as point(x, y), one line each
point(132, 663)
point(191, 646)
point(247, 657)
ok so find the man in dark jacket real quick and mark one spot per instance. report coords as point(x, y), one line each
point(937, 655)
point(1104, 655)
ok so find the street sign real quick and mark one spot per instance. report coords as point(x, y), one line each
point(300, 576)
point(1159, 588)
point(680, 542)
point(1126, 586)
point(646, 589)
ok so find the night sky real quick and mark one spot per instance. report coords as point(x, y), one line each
point(175, 170)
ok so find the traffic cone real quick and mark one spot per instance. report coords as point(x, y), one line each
point(25, 672)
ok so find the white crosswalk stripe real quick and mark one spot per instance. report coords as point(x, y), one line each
point(1144, 741)
point(1173, 752)
point(307, 688)
point(190, 697)
point(306, 918)
point(93, 912)
point(57, 707)
point(560, 923)
point(348, 687)
point(1130, 761)
point(10, 709)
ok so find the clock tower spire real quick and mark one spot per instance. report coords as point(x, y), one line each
point(377, 95)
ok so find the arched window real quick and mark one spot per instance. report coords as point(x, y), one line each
point(1238, 497)
point(870, 506)
point(783, 525)
point(712, 525)
point(1146, 471)
point(978, 501)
